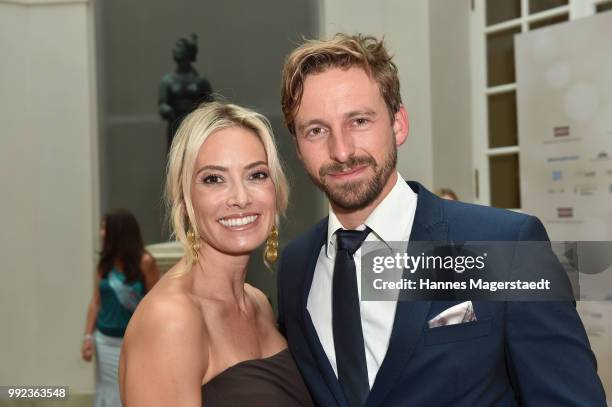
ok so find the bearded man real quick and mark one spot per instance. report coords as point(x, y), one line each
point(341, 102)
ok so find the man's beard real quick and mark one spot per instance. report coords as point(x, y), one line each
point(355, 195)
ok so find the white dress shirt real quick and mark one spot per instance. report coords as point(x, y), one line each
point(391, 221)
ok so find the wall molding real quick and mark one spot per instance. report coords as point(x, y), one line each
point(44, 2)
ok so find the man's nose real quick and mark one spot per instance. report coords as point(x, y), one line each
point(341, 146)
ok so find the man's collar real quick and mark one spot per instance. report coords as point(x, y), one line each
point(390, 220)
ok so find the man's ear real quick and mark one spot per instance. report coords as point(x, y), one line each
point(401, 125)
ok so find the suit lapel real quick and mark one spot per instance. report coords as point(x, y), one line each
point(410, 316)
point(308, 327)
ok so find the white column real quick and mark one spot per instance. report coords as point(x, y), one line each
point(49, 178)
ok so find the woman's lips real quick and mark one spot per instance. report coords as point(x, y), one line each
point(239, 222)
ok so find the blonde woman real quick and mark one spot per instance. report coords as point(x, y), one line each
point(203, 336)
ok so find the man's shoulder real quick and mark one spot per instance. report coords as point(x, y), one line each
point(488, 223)
point(457, 214)
point(461, 209)
point(306, 239)
point(299, 252)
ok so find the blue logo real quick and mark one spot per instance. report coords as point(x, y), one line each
point(556, 175)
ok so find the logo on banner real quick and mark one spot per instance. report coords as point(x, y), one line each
point(585, 189)
point(563, 158)
point(565, 212)
point(586, 174)
point(602, 156)
point(561, 131)
point(556, 175)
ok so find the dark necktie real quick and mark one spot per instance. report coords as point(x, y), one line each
point(346, 319)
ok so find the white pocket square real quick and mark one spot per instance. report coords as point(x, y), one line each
point(457, 314)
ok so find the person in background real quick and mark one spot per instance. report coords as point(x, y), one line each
point(447, 193)
point(125, 272)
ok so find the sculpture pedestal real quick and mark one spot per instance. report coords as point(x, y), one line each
point(166, 254)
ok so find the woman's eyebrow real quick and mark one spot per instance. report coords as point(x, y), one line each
point(212, 167)
point(225, 169)
point(255, 164)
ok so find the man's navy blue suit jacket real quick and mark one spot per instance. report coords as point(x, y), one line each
point(516, 353)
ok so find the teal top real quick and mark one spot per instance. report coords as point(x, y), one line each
point(117, 303)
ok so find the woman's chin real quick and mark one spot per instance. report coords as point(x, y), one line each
point(238, 248)
point(241, 242)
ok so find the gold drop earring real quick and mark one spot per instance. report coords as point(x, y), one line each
point(194, 242)
point(271, 251)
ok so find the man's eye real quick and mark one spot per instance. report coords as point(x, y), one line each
point(360, 121)
point(260, 175)
point(315, 132)
point(212, 179)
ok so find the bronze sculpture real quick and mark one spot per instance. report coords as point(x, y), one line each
point(183, 90)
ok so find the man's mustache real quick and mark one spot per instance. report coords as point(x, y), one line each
point(346, 166)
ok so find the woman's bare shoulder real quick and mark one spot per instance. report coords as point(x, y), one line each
point(165, 348)
point(168, 306)
point(165, 351)
point(169, 312)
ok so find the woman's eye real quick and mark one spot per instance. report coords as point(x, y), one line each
point(212, 179)
point(259, 175)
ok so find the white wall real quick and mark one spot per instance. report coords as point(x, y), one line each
point(49, 181)
point(450, 96)
point(405, 26)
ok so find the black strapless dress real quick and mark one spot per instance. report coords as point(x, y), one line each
point(269, 382)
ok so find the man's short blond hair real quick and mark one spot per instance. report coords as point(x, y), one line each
point(342, 51)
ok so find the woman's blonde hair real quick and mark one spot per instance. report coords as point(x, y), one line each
point(191, 134)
